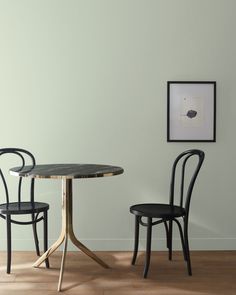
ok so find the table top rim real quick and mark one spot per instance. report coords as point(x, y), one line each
point(54, 171)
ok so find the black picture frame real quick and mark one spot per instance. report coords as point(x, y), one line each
point(191, 111)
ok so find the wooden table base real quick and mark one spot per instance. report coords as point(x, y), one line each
point(67, 232)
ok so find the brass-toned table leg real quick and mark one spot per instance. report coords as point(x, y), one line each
point(49, 251)
point(67, 232)
point(72, 237)
point(64, 228)
point(84, 249)
point(62, 265)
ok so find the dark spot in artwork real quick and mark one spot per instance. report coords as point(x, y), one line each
point(191, 114)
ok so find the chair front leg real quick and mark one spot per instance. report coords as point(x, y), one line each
point(45, 227)
point(8, 223)
point(136, 239)
point(36, 241)
point(148, 246)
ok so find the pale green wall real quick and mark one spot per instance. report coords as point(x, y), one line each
point(85, 81)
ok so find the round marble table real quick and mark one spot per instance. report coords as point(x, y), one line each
point(67, 172)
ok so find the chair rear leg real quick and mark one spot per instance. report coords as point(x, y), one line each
point(148, 247)
point(136, 239)
point(167, 235)
point(36, 241)
point(187, 247)
point(8, 223)
point(170, 238)
point(45, 229)
point(182, 239)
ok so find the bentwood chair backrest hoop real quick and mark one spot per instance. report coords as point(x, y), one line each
point(18, 205)
point(185, 192)
point(22, 155)
point(184, 173)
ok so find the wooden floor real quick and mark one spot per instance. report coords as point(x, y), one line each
point(213, 273)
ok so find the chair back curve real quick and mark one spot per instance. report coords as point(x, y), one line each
point(186, 180)
point(24, 158)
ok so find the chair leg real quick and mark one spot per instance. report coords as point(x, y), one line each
point(187, 246)
point(182, 239)
point(45, 227)
point(148, 247)
point(8, 223)
point(167, 235)
point(36, 241)
point(170, 238)
point(136, 239)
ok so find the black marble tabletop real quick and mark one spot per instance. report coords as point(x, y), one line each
point(68, 171)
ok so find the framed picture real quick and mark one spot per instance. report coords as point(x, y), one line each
point(191, 111)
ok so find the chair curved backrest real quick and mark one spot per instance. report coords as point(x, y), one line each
point(185, 190)
point(26, 158)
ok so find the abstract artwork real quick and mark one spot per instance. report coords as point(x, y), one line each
point(191, 111)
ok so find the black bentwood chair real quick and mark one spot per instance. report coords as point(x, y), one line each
point(167, 213)
point(8, 209)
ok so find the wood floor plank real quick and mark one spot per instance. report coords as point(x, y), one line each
point(214, 273)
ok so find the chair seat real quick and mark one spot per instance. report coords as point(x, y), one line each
point(23, 208)
point(155, 210)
